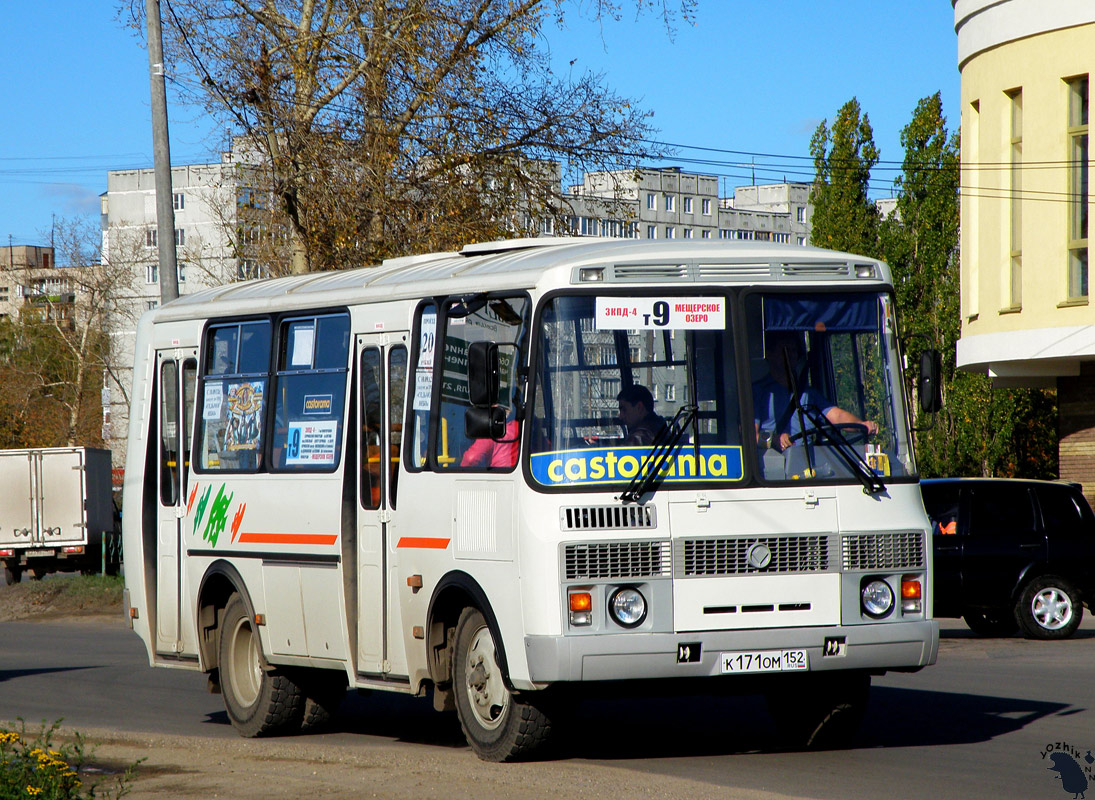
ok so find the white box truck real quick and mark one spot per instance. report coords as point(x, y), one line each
point(56, 511)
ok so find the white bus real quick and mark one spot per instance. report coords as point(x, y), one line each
point(414, 478)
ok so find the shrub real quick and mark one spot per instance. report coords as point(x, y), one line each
point(33, 766)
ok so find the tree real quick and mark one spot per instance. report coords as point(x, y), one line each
point(55, 357)
point(390, 127)
point(844, 216)
point(981, 430)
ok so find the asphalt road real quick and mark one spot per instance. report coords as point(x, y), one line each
point(975, 725)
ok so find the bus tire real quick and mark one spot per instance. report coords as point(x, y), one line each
point(323, 693)
point(499, 725)
point(260, 700)
point(820, 711)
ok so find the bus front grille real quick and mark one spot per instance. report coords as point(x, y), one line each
point(748, 555)
point(615, 560)
point(883, 550)
point(607, 518)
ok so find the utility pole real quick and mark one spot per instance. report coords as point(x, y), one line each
point(161, 152)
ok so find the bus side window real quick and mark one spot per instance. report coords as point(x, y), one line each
point(419, 417)
point(310, 392)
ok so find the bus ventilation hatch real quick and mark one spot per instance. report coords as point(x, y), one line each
point(607, 518)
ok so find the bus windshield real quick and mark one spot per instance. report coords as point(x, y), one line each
point(827, 404)
point(614, 370)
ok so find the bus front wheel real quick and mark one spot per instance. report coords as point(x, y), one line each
point(819, 710)
point(499, 725)
point(260, 700)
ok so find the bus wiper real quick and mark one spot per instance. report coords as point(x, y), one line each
point(664, 444)
point(872, 483)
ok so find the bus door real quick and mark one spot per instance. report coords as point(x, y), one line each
point(382, 370)
point(176, 373)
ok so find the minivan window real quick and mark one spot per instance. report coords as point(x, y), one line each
point(1000, 508)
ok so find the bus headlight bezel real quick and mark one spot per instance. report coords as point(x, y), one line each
point(627, 607)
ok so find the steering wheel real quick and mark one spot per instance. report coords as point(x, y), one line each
point(854, 432)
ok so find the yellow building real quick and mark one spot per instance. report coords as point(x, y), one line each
point(1026, 315)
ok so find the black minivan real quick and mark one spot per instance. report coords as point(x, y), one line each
point(1011, 554)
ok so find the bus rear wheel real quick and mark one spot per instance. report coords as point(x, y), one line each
point(499, 725)
point(260, 700)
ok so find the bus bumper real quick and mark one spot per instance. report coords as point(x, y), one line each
point(623, 656)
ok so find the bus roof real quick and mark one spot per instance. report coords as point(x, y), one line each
point(526, 263)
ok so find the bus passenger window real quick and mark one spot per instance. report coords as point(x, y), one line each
point(233, 396)
point(310, 392)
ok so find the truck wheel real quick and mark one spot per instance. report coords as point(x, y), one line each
point(13, 573)
point(995, 622)
point(1049, 607)
point(499, 725)
point(819, 710)
point(260, 700)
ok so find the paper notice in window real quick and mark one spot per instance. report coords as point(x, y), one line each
point(660, 313)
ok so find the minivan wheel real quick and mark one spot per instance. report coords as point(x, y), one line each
point(1049, 607)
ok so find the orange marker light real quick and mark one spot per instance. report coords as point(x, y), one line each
point(910, 589)
point(581, 601)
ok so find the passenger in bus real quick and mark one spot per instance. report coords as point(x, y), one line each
point(489, 453)
point(637, 416)
point(775, 416)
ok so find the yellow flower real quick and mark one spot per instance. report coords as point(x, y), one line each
point(33, 790)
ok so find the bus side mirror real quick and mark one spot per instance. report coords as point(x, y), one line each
point(483, 374)
point(930, 385)
point(485, 423)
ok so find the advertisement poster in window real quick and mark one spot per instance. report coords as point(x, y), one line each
point(242, 428)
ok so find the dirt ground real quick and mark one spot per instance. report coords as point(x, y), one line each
point(188, 767)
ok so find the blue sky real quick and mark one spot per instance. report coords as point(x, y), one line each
point(749, 77)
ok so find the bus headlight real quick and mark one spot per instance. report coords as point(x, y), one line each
point(627, 607)
point(877, 598)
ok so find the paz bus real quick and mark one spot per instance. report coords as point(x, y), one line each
point(413, 478)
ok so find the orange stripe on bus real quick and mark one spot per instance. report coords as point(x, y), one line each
point(426, 542)
point(288, 538)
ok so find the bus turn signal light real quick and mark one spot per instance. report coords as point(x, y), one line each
point(581, 608)
point(911, 596)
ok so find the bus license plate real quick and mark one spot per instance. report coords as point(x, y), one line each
point(764, 661)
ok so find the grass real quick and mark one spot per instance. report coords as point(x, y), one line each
point(33, 764)
point(62, 595)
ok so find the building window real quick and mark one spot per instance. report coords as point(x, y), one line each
point(687, 233)
point(725, 234)
point(178, 201)
point(181, 273)
point(150, 237)
point(651, 202)
point(180, 237)
point(1078, 187)
point(1015, 277)
point(802, 214)
point(151, 304)
point(688, 205)
point(670, 233)
point(670, 392)
point(152, 273)
point(651, 232)
point(670, 202)
point(802, 241)
point(705, 207)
